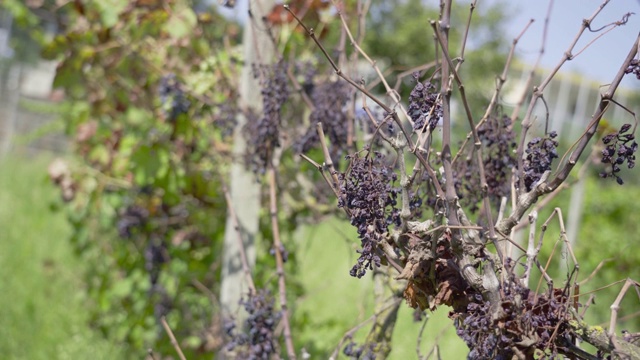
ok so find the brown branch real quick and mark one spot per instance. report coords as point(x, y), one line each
point(277, 244)
point(477, 143)
point(174, 342)
point(616, 304)
point(599, 338)
point(595, 271)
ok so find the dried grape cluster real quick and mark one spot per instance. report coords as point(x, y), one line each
point(498, 141)
point(225, 119)
point(424, 105)
point(527, 322)
point(263, 132)
point(306, 71)
point(155, 254)
point(258, 342)
point(283, 252)
point(634, 67)
point(132, 219)
point(621, 145)
point(363, 352)
point(172, 97)
point(329, 100)
point(367, 193)
point(135, 223)
point(540, 155)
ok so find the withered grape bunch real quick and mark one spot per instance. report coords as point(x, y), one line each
point(258, 341)
point(526, 321)
point(224, 119)
point(634, 68)
point(620, 148)
point(424, 105)
point(172, 97)
point(540, 155)
point(263, 132)
point(132, 219)
point(499, 141)
point(498, 159)
point(367, 192)
point(362, 352)
point(329, 99)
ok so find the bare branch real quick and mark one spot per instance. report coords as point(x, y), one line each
point(616, 304)
point(278, 250)
point(174, 342)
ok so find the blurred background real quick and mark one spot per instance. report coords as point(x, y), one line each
point(60, 298)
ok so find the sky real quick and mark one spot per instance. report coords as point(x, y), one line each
point(600, 61)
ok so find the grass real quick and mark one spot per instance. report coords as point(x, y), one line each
point(335, 302)
point(42, 301)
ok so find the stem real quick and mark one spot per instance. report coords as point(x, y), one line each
point(450, 193)
point(174, 342)
point(277, 244)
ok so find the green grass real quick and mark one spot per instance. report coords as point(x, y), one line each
point(336, 302)
point(42, 307)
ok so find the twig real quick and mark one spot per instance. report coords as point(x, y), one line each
point(424, 325)
point(393, 301)
point(543, 229)
point(321, 169)
point(616, 304)
point(595, 271)
point(565, 185)
point(408, 72)
point(463, 43)
point(434, 348)
point(277, 244)
point(327, 156)
point(174, 342)
point(150, 353)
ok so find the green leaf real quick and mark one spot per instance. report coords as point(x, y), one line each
point(181, 23)
point(110, 11)
point(148, 163)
